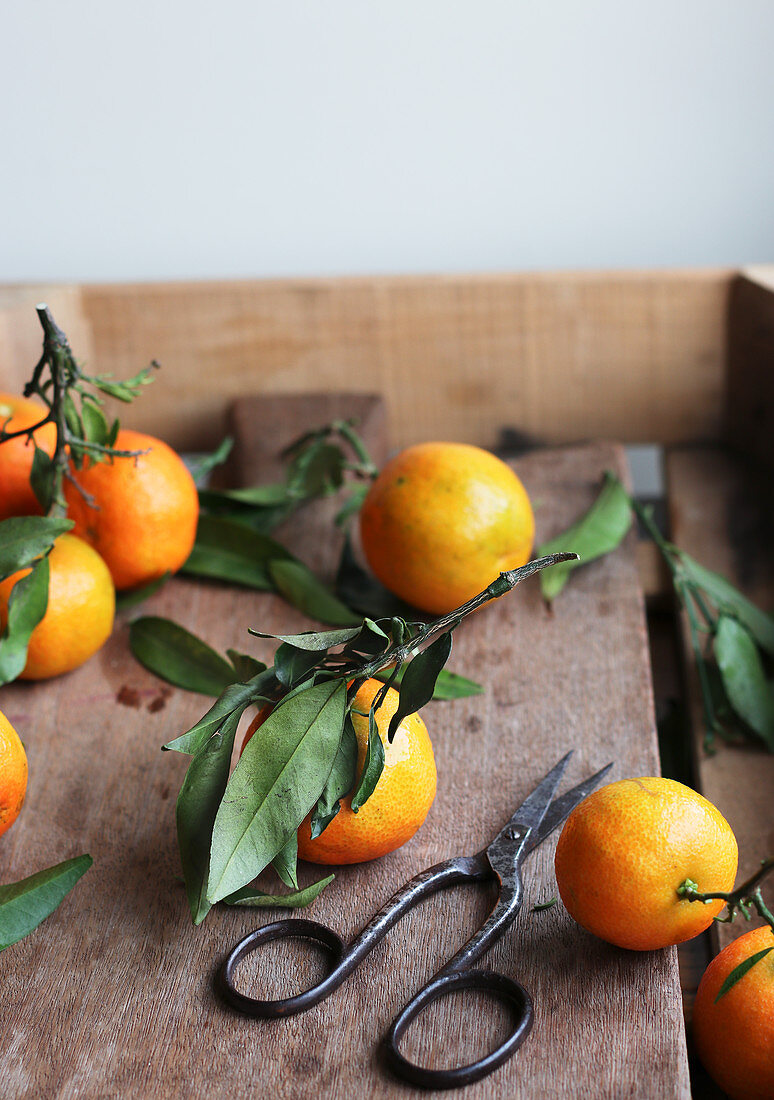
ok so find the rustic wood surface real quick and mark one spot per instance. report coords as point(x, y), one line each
point(632, 355)
point(113, 996)
point(750, 369)
point(720, 513)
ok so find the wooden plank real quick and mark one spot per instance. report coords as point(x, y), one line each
point(114, 996)
point(455, 356)
point(719, 514)
point(750, 374)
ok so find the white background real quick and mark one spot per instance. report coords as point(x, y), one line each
point(246, 138)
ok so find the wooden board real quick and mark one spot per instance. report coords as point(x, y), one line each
point(455, 356)
point(113, 997)
point(720, 513)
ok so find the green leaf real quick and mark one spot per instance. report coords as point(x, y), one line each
point(313, 640)
point(179, 657)
point(23, 905)
point(256, 496)
point(203, 465)
point(318, 470)
point(286, 860)
point(25, 538)
point(339, 782)
point(599, 531)
point(235, 697)
point(249, 896)
point(277, 781)
point(132, 596)
point(228, 551)
point(72, 417)
point(740, 971)
point(744, 678)
point(302, 589)
point(449, 685)
point(373, 765)
point(197, 805)
point(418, 681)
point(245, 666)
point(292, 665)
point(95, 426)
point(730, 601)
point(42, 478)
point(27, 605)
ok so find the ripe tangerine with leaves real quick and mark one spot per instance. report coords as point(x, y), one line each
point(442, 521)
point(16, 455)
point(143, 511)
point(625, 850)
point(13, 774)
point(401, 799)
point(734, 1032)
point(80, 611)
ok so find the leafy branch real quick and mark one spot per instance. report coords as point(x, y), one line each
point(744, 898)
point(74, 405)
point(302, 759)
point(731, 639)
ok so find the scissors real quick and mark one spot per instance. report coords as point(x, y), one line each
point(535, 819)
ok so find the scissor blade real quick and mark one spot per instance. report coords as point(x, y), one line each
point(532, 810)
point(562, 807)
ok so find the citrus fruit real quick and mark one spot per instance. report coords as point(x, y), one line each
point(143, 514)
point(16, 495)
point(442, 521)
point(13, 774)
point(79, 616)
point(626, 849)
point(735, 1036)
point(401, 799)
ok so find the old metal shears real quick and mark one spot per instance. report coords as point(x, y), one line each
point(535, 819)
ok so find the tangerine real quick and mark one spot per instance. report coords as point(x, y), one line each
point(13, 774)
point(80, 611)
point(143, 512)
point(734, 1035)
point(401, 799)
point(625, 850)
point(442, 521)
point(17, 413)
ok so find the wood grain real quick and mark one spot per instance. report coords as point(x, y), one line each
point(112, 997)
point(719, 513)
point(635, 355)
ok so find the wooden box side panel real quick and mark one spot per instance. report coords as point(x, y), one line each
point(751, 364)
point(637, 356)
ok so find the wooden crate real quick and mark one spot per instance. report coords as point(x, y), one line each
point(680, 358)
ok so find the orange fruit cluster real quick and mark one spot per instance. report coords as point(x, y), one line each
point(135, 520)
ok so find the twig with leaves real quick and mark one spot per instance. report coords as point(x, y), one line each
point(302, 759)
point(73, 403)
point(731, 638)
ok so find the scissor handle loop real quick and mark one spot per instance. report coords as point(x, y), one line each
point(506, 989)
point(280, 930)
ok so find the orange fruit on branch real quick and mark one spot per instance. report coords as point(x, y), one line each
point(734, 1035)
point(13, 774)
point(16, 495)
point(143, 512)
point(625, 850)
point(442, 521)
point(80, 611)
point(401, 799)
